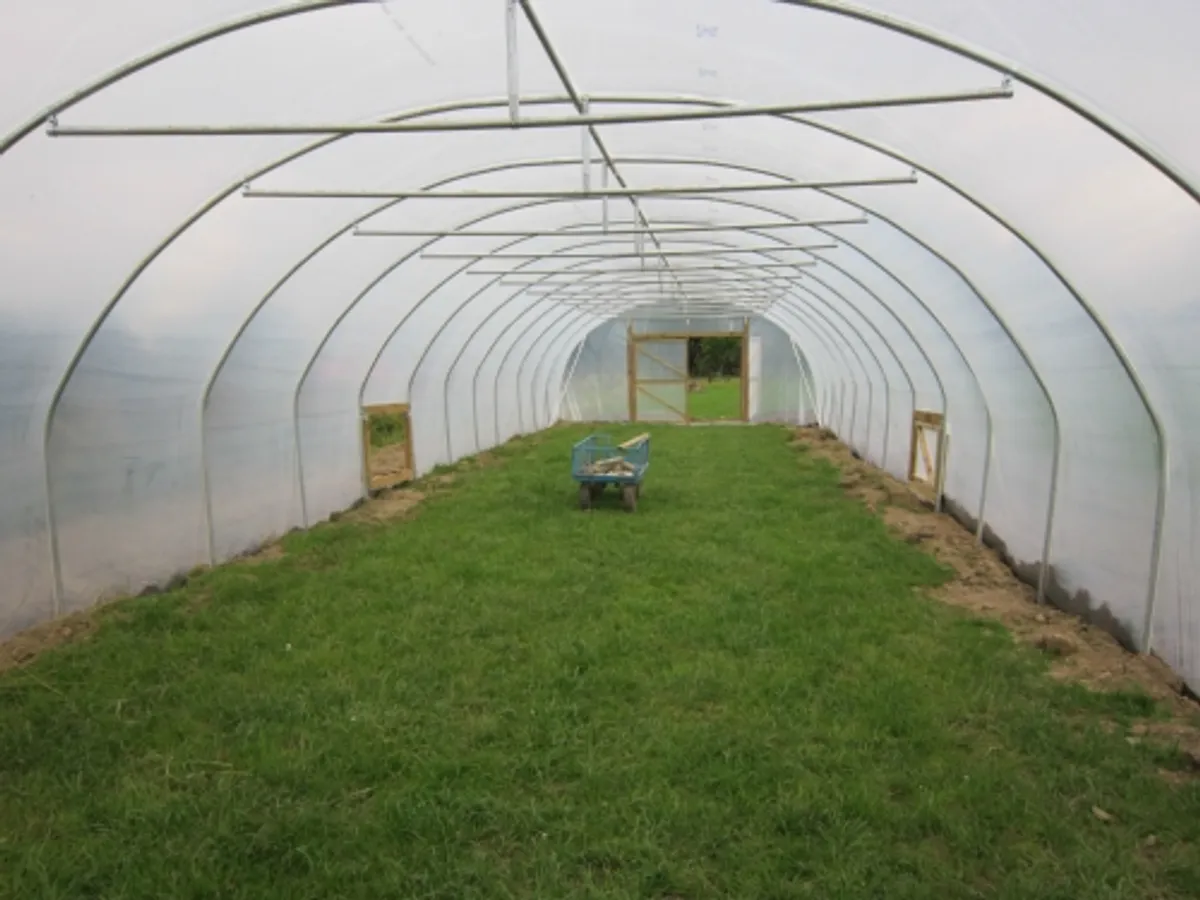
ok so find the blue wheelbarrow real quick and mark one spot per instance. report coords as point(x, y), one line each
point(596, 462)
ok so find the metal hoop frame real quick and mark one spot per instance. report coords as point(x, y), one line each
point(1061, 95)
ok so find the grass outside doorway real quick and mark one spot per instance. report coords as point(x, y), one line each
point(388, 430)
point(718, 400)
point(739, 691)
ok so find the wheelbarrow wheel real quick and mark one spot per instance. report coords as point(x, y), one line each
point(629, 495)
point(597, 491)
point(585, 496)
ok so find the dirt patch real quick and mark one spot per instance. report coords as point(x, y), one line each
point(27, 646)
point(390, 466)
point(269, 553)
point(387, 506)
point(1182, 736)
point(984, 584)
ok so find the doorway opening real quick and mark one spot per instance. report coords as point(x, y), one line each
point(689, 377)
point(387, 445)
point(716, 382)
point(926, 464)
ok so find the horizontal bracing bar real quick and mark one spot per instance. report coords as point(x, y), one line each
point(712, 305)
point(567, 289)
point(590, 302)
point(661, 312)
point(53, 129)
point(646, 314)
point(612, 232)
point(664, 293)
point(668, 292)
point(602, 300)
point(726, 307)
point(684, 315)
point(713, 302)
point(652, 254)
point(657, 276)
point(681, 270)
point(731, 282)
point(719, 309)
point(606, 302)
point(690, 301)
point(610, 193)
point(729, 310)
point(672, 316)
point(675, 295)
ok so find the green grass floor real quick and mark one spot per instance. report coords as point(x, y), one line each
point(717, 400)
point(738, 691)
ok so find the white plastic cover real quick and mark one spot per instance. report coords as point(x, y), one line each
point(182, 366)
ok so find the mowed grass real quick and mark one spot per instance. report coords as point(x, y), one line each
point(716, 400)
point(739, 691)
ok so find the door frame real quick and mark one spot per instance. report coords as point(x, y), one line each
point(635, 339)
point(934, 461)
point(638, 386)
point(385, 409)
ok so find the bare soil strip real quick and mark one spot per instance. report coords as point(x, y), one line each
point(986, 586)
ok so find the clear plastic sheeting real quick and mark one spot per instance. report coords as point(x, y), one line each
point(778, 386)
point(598, 387)
point(189, 330)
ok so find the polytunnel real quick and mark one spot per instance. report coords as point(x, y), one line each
point(228, 226)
